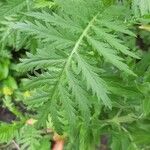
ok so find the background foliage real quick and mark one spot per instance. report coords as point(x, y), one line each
point(75, 68)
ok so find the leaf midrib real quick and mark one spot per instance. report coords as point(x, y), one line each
point(68, 61)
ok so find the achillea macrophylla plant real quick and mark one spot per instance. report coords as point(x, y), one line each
point(85, 79)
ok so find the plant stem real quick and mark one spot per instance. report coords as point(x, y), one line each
point(16, 145)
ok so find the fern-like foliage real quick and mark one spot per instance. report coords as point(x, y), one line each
point(9, 131)
point(10, 12)
point(29, 138)
point(77, 41)
point(12, 7)
point(141, 7)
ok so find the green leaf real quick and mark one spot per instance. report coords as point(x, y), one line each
point(4, 70)
point(44, 144)
point(146, 106)
point(94, 82)
point(29, 138)
point(110, 55)
point(9, 131)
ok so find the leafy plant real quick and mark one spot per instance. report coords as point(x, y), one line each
point(84, 79)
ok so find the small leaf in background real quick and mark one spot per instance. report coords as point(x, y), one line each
point(7, 91)
point(4, 70)
point(10, 82)
point(26, 94)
